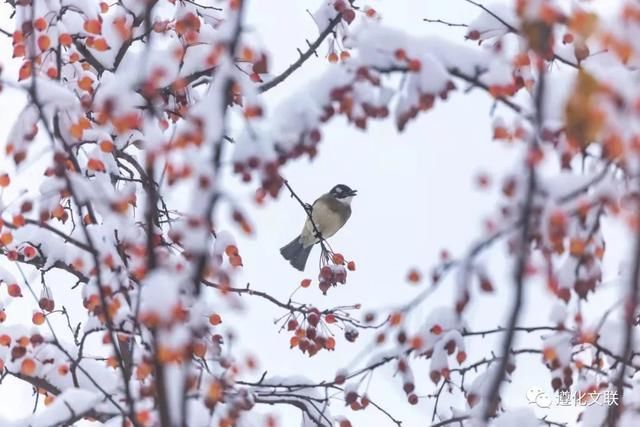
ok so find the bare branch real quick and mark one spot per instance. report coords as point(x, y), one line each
point(493, 395)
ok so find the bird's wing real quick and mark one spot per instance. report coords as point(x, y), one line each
point(329, 215)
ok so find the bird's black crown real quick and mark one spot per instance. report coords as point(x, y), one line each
point(342, 191)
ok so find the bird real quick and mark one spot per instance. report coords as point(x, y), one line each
point(329, 213)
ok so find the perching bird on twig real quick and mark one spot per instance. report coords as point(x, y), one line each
point(325, 217)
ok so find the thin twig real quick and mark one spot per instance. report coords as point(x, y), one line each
point(440, 21)
point(303, 56)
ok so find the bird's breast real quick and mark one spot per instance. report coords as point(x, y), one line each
point(329, 216)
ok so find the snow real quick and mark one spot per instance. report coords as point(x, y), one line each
point(68, 404)
point(595, 415)
point(160, 293)
point(558, 313)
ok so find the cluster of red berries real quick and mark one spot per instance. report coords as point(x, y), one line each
point(331, 276)
point(307, 336)
point(271, 181)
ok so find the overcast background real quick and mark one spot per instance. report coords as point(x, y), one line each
point(416, 196)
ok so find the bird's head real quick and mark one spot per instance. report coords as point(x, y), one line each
point(343, 193)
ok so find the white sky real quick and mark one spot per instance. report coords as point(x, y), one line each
point(416, 196)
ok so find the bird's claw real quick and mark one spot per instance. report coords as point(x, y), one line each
point(308, 208)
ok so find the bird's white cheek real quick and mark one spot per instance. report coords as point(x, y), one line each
point(346, 200)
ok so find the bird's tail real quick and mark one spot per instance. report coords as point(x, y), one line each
point(296, 253)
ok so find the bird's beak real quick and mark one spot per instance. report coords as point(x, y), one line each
point(353, 193)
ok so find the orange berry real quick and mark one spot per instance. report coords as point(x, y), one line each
point(395, 319)
point(85, 83)
point(18, 51)
point(500, 132)
point(44, 42)
point(106, 146)
point(101, 45)
point(112, 362)
point(199, 349)
point(18, 37)
point(577, 247)
point(330, 344)
point(6, 238)
point(549, 354)
point(143, 417)
point(28, 367)
point(235, 261)
point(215, 392)
point(18, 220)
point(95, 165)
point(215, 319)
point(40, 24)
point(436, 329)
point(247, 54)
point(5, 340)
point(415, 65)
point(414, 276)
point(25, 71)
point(93, 26)
point(143, 370)
point(293, 342)
point(417, 343)
point(37, 318)
point(65, 39)
point(400, 54)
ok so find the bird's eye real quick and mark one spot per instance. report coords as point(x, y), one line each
point(339, 190)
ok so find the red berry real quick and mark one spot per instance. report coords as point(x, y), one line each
point(408, 387)
point(324, 286)
point(348, 16)
point(400, 54)
point(313, 319)
point(326, 273)
point(415, 65)
point(473, 35)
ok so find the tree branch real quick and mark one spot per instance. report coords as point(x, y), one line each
point(303, 56)
point(493, 395)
